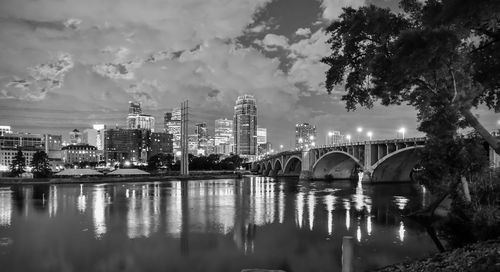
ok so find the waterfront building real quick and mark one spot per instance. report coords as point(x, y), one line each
point(224, 136)
point(172, 125)
point(53, 146)
point(137, 120)
point(79, 153)
point(305, 135)
point(135, 145)
point(245, 125)
point(5, 130)
point(10, 143)
point(75, 137)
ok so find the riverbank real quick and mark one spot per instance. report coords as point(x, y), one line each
point(478, 257)
point(114, 179)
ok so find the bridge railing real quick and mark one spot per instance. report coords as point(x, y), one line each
point(399, 140)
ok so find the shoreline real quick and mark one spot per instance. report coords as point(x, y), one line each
point(110, 179)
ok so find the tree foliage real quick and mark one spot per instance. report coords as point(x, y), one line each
point(41, 165)
point(18, 164)
point(160, 160)
point(439, 56)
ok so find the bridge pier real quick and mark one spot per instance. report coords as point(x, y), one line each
point(305, 175)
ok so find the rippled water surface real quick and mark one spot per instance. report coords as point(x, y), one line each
point(210, 225)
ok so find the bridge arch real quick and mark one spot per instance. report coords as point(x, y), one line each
point(267, 169)
point(277, 169)
point(396, 166)
point(338, 164)
point(293, 166)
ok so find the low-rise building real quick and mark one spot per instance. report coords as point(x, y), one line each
point(79, 153)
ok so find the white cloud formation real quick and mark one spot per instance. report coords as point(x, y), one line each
point(303, 32)
point(272, 41)
point(333, 8)
point(307, 68)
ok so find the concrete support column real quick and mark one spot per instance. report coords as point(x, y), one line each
point(306, 171)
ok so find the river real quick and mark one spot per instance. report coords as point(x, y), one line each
point(208, 225)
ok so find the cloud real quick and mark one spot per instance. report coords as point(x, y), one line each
point(271, 42)
point(333, 8)
point(303, 32)
point(306, 68)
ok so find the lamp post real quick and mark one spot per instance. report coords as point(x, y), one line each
point(330, 135)
point(281, 147)
point(402, 131)
point(369, 134)
point(359, 129)
point(348, 137)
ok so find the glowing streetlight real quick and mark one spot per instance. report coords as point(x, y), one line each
point(313, 144)
point(402, 131)
point(311, 137)
point(301, 140)
point(369, 134)
point(359, 130)
point(348, 137)
point(281, 147)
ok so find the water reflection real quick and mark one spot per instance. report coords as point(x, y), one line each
point(223, 220)
point(5, 207)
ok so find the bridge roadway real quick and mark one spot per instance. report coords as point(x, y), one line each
point(380, 161)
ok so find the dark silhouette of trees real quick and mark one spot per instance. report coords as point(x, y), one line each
point(440, 56)
point(18, 164)
point(160, 160)
point(41, 165)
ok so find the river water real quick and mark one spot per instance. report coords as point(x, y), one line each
point(209, 225)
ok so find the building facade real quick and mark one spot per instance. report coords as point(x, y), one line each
point(79, 153)
point(137, 120)
point(172, 125)
point(53, 146)
point(75, 137)
point(135, 145)
point(10, 143)
point(305, 135)
point(201, 131)
point(224, 136)
point(245, 125)
point(261, 136)
point(5, 130)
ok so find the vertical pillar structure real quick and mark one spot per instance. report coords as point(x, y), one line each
point(184, 139)
point(307, 164)
point(367, 162)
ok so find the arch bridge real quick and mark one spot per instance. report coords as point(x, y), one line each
point(380, 161)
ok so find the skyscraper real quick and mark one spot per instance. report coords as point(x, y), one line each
point(305, 135)
point(261, 136)
point(245, 125)
point(224, 137)
point(172, 124)
point(137, 120)
point(201, 131)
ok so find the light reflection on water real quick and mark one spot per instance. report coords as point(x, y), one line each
point(224, 224)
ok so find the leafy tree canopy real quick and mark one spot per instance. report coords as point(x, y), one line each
point(440, 56)
point(41, 165)
point(18, 164)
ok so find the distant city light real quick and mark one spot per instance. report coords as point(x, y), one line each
point(311, 137)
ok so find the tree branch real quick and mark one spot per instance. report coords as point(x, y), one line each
point(473, 122)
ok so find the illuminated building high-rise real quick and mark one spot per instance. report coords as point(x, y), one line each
point(172, 125)
point(245, 125)
point(224, 137)
point(305, 135)
point(201, 131)
point(137, 120)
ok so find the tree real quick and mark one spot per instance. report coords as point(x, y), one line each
point(160, 160)
point(40, 164)
point(440, 56)
point(18, 164)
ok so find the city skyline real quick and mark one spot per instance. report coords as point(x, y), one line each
point(64, 66)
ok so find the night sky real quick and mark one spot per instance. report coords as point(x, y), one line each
point(68, 64)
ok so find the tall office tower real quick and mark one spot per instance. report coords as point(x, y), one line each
point(134, 107)
point(224, 137)
point(201, 131)
point(245, 125)
point(305, 135)
point(75, 137)
point(172, 123)
point(100, 128)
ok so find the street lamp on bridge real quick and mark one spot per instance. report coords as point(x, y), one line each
point(369, 134)
point(359, 129)
point(348, 137)
point(402, 131)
